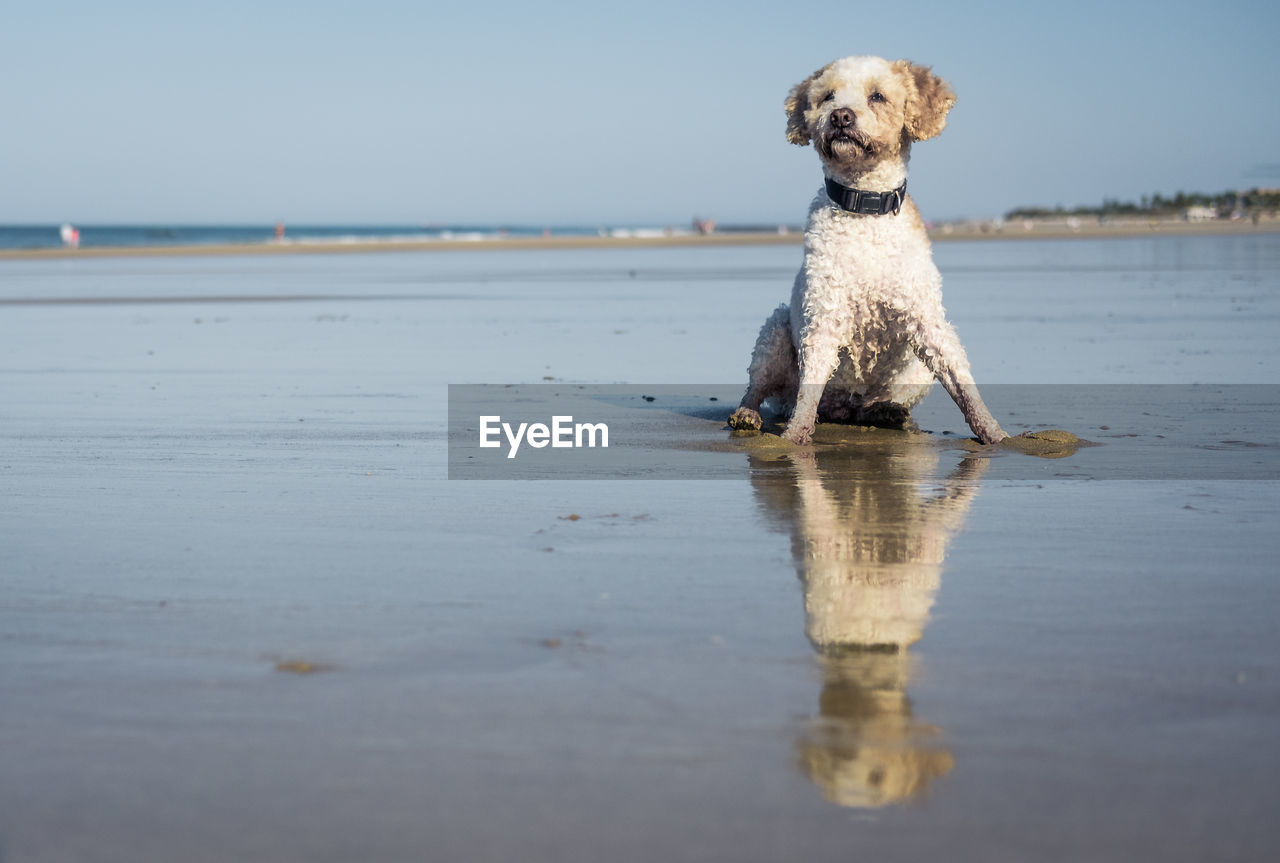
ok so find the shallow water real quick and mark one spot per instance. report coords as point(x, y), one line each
point(204, 497)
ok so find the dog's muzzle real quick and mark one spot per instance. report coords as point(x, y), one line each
point(842, 137)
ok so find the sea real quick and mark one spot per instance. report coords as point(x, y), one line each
point(132, 236)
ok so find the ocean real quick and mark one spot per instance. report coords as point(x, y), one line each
point(127, 236)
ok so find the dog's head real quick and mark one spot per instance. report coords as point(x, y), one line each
point(861, 110)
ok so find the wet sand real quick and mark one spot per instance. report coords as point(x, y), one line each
point(247, 616)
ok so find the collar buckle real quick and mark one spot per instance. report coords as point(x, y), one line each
point(866, 203)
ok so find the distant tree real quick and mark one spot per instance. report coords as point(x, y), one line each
point(1157, 204)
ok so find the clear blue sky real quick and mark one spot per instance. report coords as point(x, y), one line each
point(619, 113)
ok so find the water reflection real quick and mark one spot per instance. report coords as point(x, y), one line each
point(869, 531)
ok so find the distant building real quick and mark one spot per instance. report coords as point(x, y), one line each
point(1200, 214)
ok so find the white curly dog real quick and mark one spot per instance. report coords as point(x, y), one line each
point(865, 334)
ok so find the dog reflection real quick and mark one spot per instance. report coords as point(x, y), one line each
point(869, 535)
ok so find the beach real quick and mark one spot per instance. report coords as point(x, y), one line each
point(261, 604)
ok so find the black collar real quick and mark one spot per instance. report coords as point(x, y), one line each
point(866, 203)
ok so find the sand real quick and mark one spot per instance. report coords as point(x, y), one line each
point(246, 615)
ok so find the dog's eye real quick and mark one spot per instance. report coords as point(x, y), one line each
point(877, 96)
point(827, 98)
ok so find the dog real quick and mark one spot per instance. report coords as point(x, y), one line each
point(865, 334)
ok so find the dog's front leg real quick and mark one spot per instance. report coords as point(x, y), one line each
point(772, 371)
point(818, 356)
point(939, 348)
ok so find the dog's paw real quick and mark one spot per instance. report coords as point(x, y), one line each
point(991, 434)
point(798, 436)
point(745, 419)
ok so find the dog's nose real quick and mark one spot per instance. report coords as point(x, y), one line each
point(842, 118)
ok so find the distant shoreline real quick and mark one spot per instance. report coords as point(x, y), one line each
point(1092, 230)
point(443, 245)
point(943, 233)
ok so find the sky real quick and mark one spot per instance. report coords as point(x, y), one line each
point(601, 113)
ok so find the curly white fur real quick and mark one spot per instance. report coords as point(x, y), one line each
point(865, 334)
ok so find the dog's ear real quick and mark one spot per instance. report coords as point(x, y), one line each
point(929, 98)
point(795, 106)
